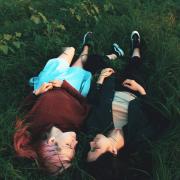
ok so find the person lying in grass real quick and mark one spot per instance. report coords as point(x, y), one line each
point(57, 108)
point(122, 115)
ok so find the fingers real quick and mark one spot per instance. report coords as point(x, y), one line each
point(50, 86)
point(132, 84)
point(46, 87)
point(127, 85)
point(56, 83)
point(107, 72)
point(128, 81)
point(110, 70)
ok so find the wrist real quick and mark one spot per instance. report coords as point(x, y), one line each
point(142, 91)
point(100, 80)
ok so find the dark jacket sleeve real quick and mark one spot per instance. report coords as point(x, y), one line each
point(94, 93)
point(100, 93)
point(145, 122)
point(100, 117)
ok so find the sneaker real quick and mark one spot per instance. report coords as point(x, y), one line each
point(87, 39)
point(117, 50)
point(135, 40)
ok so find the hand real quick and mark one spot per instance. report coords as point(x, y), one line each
point(104, 74)
point(56, 83)
point(44, 88)
point(133, 85)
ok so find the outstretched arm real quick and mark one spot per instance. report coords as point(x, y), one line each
point(95, 91)
point(133, 85)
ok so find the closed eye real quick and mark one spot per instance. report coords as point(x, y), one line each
point(69, 146)
point(57, 146)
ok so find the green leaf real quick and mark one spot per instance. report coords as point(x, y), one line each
point(72, 11)
point(96, 18)
point(35, 19)
point(18, 34)
point(17, 44)
point(96, 8)
point(7, 37)
point(30, 8)
point(92, 11)
point(43, 17)
point(61, 26)
point(87, 11)
point(4, 49)
point(49, 27)
point(78, 17)
point(106, 8)
point(11, 49)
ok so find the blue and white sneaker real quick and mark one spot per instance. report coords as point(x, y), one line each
point(87, 39)
point(117, 50)
point(135, 40)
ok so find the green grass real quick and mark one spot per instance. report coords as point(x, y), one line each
point(46, 26)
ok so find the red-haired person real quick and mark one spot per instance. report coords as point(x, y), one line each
point(56, 110)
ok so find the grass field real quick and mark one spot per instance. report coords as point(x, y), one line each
point(31, 32)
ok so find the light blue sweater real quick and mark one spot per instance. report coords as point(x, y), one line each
point(58, 69)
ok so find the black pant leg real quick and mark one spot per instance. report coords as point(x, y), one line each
point(134, 71)
point(95, 63)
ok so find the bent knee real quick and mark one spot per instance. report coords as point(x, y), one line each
point(70, 50)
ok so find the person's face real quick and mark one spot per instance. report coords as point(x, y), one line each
point(99, 146)
point(65, 142)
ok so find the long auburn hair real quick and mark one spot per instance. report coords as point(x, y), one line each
point(23, 140)
point(47, 155)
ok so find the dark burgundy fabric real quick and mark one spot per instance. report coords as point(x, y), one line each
point(62, 107)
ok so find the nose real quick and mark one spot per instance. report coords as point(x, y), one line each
point(73, 134)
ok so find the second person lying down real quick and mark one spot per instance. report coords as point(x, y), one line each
point(122, 114)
